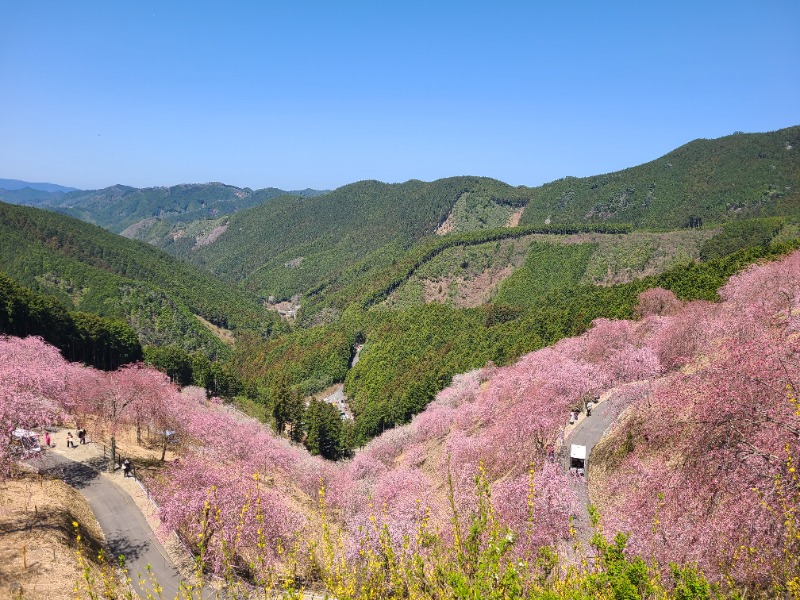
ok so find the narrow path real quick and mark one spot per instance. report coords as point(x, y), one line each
point(127, 532)
point(587, 432)
point(124, 526)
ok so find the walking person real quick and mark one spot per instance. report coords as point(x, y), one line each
point(47, 438)
point(70, 440)
point(82, 435)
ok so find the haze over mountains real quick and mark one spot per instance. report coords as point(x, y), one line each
point(17, 184)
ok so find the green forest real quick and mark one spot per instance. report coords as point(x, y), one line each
point(703, 182)
point(91, 270)
point(82, 337)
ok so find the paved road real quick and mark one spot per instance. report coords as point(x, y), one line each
point(587, 432)
point(126, 530)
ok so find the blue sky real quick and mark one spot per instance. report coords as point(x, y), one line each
point(319, 94)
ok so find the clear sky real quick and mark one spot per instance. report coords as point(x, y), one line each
point(297, 94)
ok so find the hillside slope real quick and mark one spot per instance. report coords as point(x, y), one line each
point(712, 427)
point(91, 270)
point(737, 176)
point(120, 207)
point(289, 244)
point(700, 472)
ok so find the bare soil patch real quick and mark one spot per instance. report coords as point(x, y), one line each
point(513, 220)
point(447, 226)
point(38, 541)
point(225, 335)
point(469, 292)
point(210, 237)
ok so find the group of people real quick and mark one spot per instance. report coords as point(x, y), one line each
point(589, 404)
point(125, 465)
point(71, 439)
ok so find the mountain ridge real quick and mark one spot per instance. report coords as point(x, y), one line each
point(119, 206)
point(18, 184)
point(715, 180)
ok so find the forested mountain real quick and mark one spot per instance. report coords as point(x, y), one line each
point(121, 207)
point(288, 245)
point(705, 181)
point(434, 278)
point(412, 351)
point(92, 270)
point(299, 240)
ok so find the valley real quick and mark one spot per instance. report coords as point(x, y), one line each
point(408, 355)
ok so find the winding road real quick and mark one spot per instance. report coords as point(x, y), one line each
point(125, 528)
point(589, 430)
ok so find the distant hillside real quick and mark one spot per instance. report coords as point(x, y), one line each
point(28, 196)
point(290, 244)
point(16, 184)
point(91, 270)
point(120, 207)
point(737, 176)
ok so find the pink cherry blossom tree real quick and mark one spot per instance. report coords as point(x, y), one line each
point(133, 393)
point(710, 452)
point(33, 389)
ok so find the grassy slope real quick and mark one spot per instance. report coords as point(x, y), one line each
point(741, 175)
